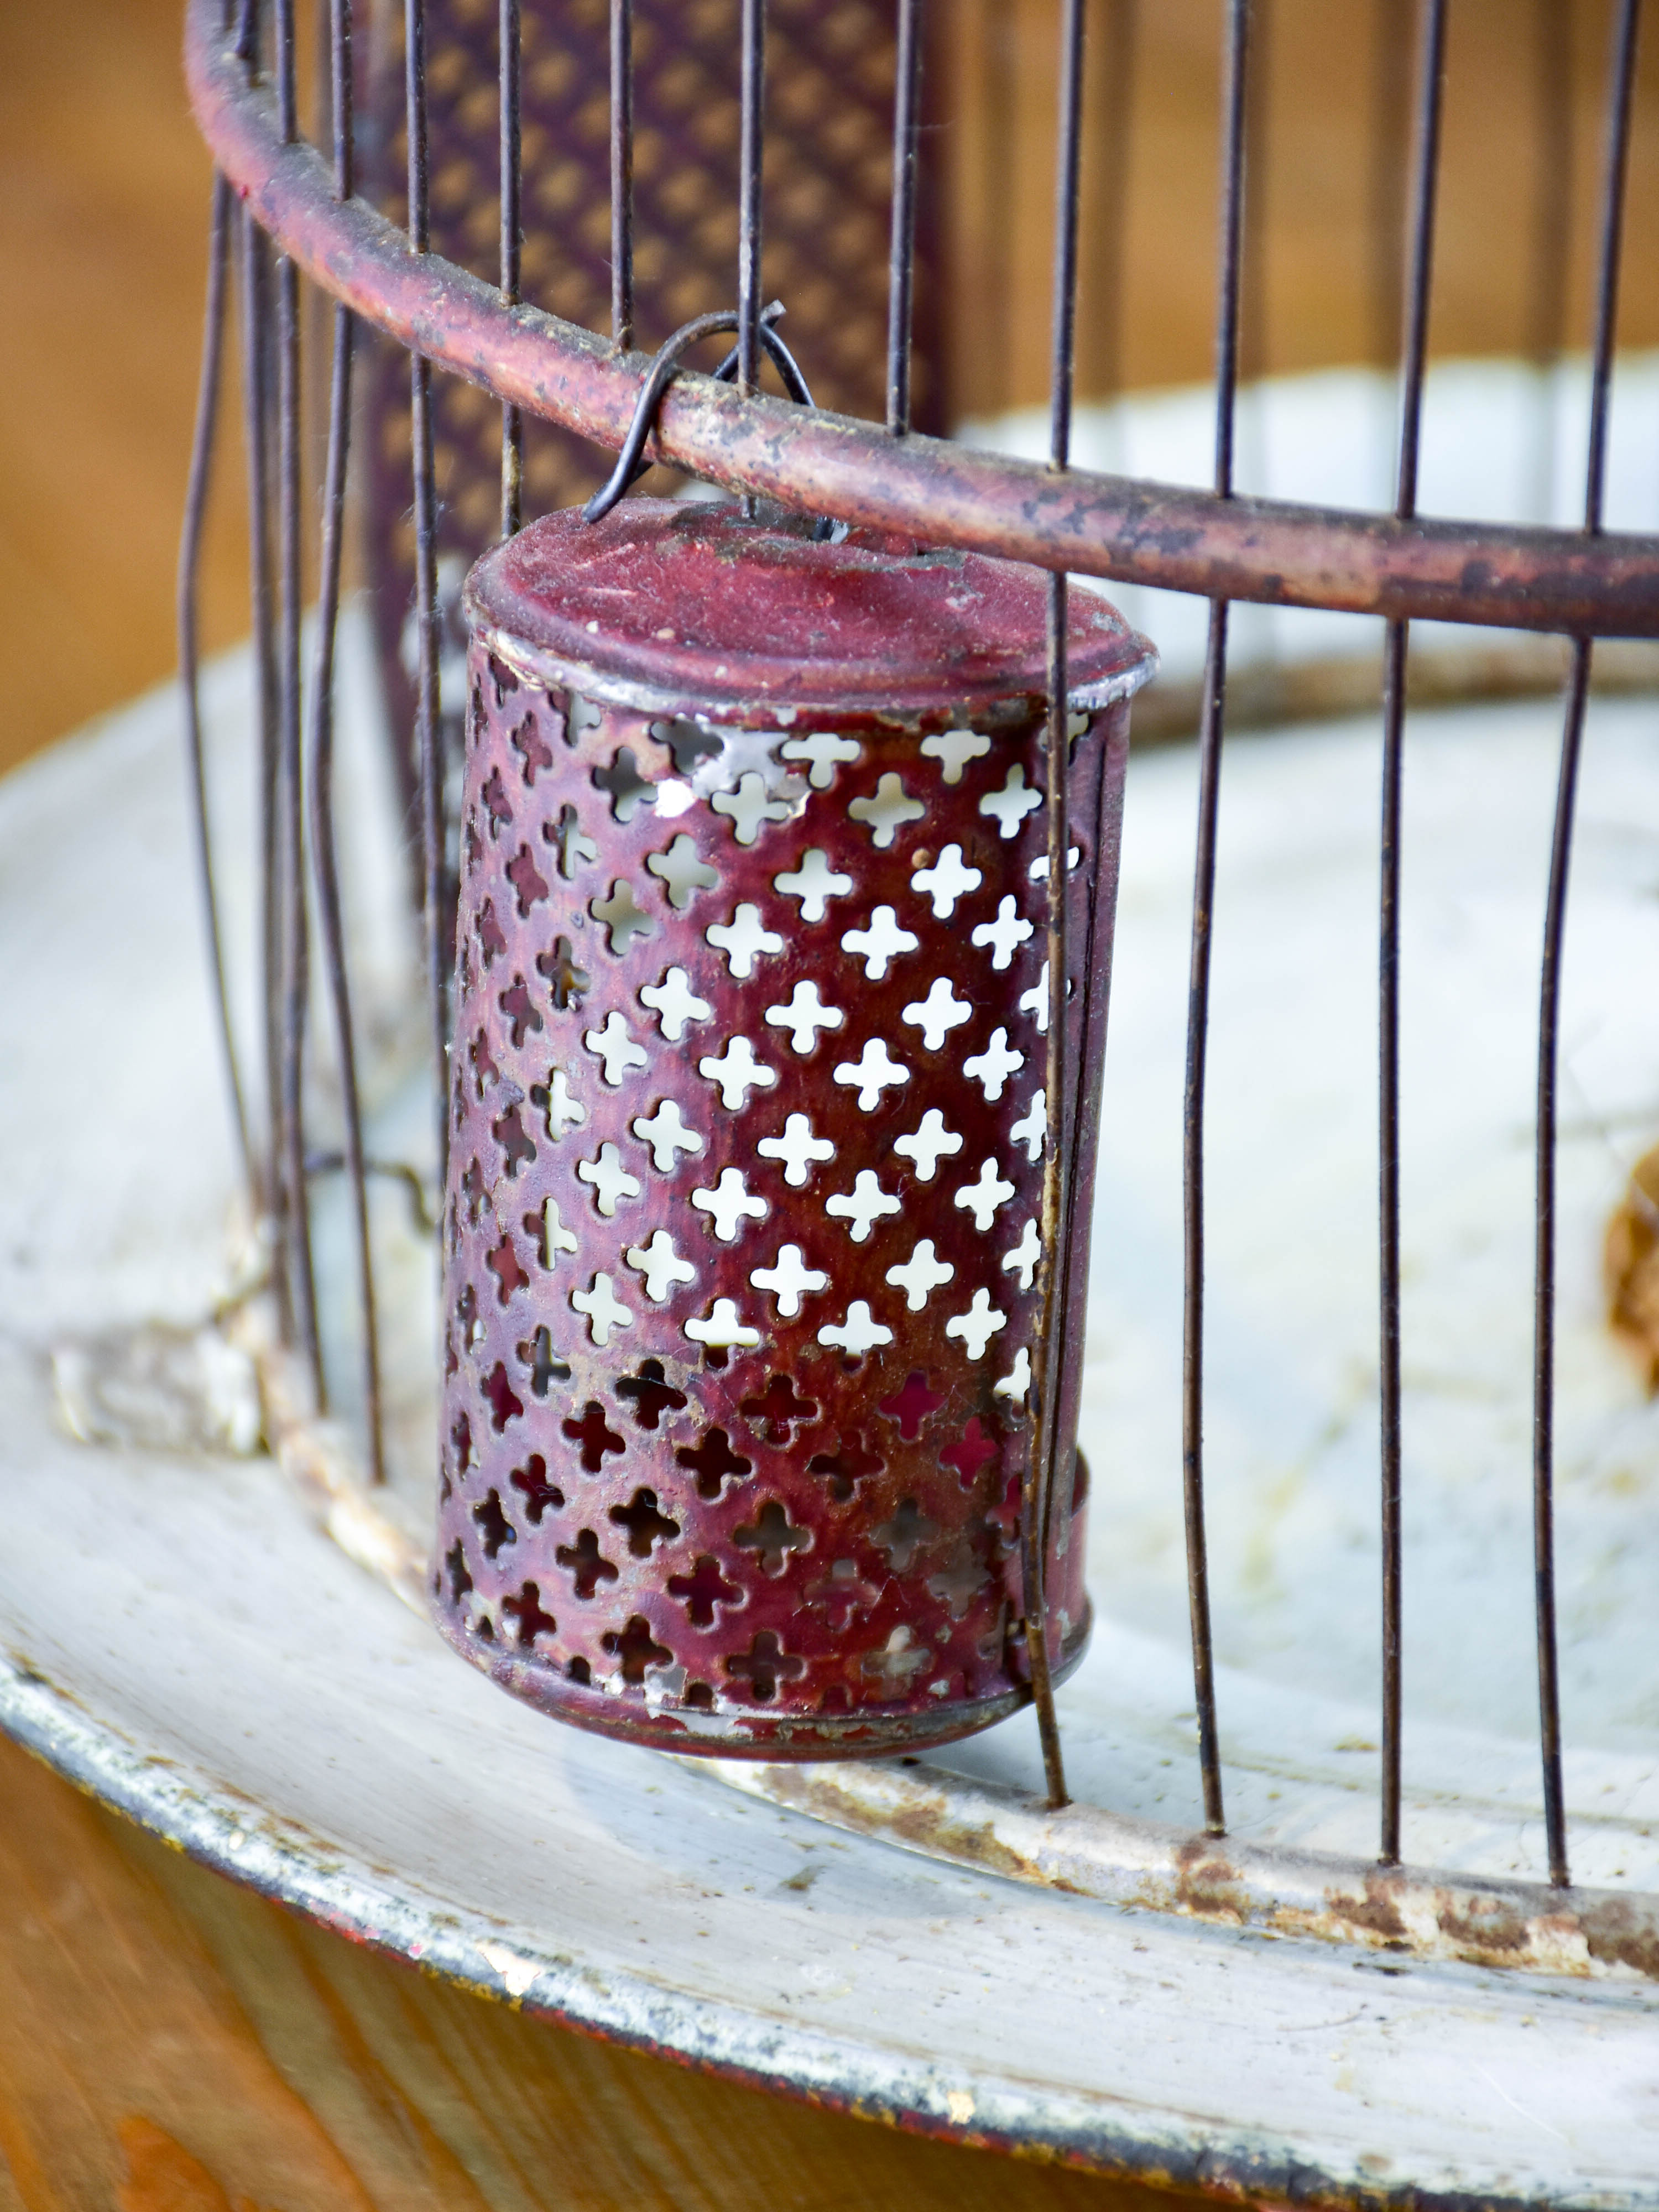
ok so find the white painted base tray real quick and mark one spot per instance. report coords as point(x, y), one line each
point(177, 1634)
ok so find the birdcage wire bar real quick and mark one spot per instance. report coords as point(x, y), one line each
point(279, 211)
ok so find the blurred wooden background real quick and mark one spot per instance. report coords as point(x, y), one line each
point(166, 2043)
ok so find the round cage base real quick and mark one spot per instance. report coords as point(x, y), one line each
point(179, 1637)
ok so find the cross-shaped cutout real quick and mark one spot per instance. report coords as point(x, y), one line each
point(720, 1329)
point(1005, 934)
point(527, 880)
point(713, 1462)
point(863, 1205)
point(494, 1527)
point(503, 1263)
point(613, 1045)
point(604, 1310)
point(887, 810)
point(729, 1204)
point(584, 1562)
point(628, 788)
point(859, 1333)
point(610, 1178)
point(973, 1452)
point(503, 678)
point(786, 1278)
point(772, 1537)
point(551, 1235)
point(842, 1593)
point(494, 795)
point(797, 1148)
point(544, 1363)
point(646, 1522)
point(621, 916)
point(1024, 1258)
point(777, 1409)
point(847, 1466)
point(484, 1070)
point(498, 1391)
point(823, 749)
point(954, 748)
point(475, 1194)
point(637, 1648)
point(510, 1133)
point(897, 1660)
point(920, 1274)
point(1038, 871)
point(676, 1003)
point(813, 884)
point(703, 1589)
point(532, 748)
point(736, 1072)
point(461, 1582)
point(488, 932)
point(978, 1325)
point(929, 1144)
point(909, 1407)
point(650, 1394)
point(903, 1536)
point(522, 1017)
point(661, 1265)
point(872, 1073)
point(946, 881)
point(994, 1064)
point(750, 806)
point(1031, 1130)
point(667, 1136)
point(879, 943)
point(939, 1014)
point(1012, 803)
point(743, 940)
point(684, 874)
point(1016, 1383)
point(804, 1017)
point(570, 982)
point(764, 1665)
point(460, 1445)
point(983, 1197)
point(593, 1432)
point(565, 835)
point(688, 742)
point(528, 1617)
point(1036, 1001)
point(539, 1493)
point(554, 1099)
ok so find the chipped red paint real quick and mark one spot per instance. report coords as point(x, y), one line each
point(746, 1161)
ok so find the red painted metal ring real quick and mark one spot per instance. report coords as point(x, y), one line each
point(1267, 551)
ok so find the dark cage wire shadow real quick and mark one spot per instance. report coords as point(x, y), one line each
point(282, 211)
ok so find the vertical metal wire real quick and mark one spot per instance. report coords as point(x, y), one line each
point(512, 247)
point(751, 158)
point(1043, 1476)
point(1234, 114)
point(325, 859)
point(290, 837)
point(254, 267)
point(1397, 651)
point(902, 248)
point(429, 761)
point(189, 554)
point(621, 174)
point(1616, 161)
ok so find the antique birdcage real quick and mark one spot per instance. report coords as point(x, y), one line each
point(684, 1162)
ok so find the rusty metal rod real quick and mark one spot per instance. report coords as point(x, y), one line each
point(902, 247)
point(621, 174)
point(1274, 552)
point(512, 245)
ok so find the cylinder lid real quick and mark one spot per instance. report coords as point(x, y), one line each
point(683, 607)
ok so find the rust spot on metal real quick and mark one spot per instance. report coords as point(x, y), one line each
point(1208, 1884)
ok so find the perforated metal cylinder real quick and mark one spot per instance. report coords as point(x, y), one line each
point(742, 1289)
